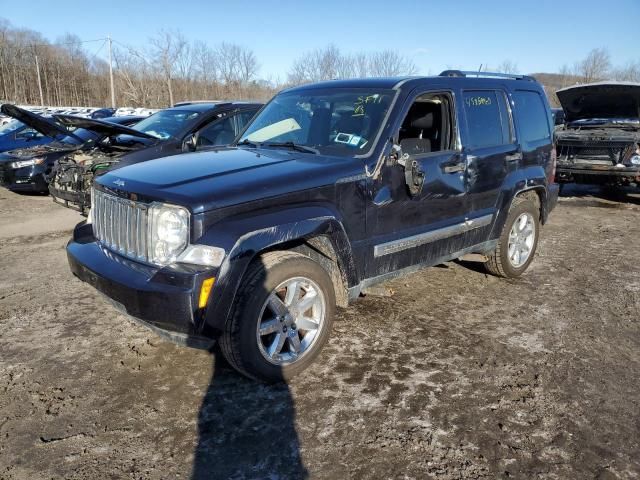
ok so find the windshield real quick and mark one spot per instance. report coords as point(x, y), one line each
point(10, 126)
point(334, 121)
point(166, 123)
point(84, 135)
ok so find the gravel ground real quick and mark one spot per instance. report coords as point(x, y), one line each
point(456, 375)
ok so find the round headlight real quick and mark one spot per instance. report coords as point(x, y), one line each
point(172, 227)
point(169, 232)
point(635, 160)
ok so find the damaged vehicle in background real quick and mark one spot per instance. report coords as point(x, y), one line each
point(28, 169)
point(184, 128)
point(600, 143)
point(14, 135)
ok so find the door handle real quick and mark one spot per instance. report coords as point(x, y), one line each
point(455, 168)
point(514, 157)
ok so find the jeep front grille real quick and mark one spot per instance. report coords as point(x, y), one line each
point(120, 225)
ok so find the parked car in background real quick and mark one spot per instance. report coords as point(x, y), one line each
point(600, 143)
point(14, 135)
point(332, 188)
point(558, 116)
point(185, 128)
point(103, 113)
point(27, 169)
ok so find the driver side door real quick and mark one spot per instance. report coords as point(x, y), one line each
point(418, 225)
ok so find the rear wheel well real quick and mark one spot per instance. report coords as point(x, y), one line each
point(536, 195)
point(321, 250)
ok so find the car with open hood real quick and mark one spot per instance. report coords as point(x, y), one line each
point(600, 141)
point(184, 128)
point(28, 169)
point(332, 188)
point(15, 135)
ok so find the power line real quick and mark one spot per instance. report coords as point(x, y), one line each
point(132, 51)
point(98, 51)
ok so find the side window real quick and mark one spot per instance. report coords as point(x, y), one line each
point(244, 117)
point(532, 116)
point(429, 125)
point(488, 122)
point(217, 132)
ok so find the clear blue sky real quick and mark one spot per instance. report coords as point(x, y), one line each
point(437, 34)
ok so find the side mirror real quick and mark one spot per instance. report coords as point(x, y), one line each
point(190, 143)
point(413, 174)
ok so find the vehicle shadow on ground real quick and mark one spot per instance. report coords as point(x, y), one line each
point(246, 429)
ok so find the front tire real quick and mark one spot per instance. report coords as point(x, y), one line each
point(518, 241)
point(282, 317)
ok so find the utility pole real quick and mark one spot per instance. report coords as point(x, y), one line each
point(113, 92)
point(39, 81)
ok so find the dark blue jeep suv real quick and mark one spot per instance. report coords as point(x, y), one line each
point(331, 188)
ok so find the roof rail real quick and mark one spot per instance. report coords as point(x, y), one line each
point(468, 73)
point(195, 102)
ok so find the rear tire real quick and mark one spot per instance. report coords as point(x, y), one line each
point(516, 246)
point(273, 334)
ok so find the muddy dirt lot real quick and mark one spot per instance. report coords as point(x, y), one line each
point(457, 375)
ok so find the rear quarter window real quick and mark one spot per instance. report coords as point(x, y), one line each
point(488, 124)
point(531, 114)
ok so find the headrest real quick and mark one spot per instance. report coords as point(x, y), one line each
point(423, 122)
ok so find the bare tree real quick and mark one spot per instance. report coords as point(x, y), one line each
point(595, 66)
point(247, 65)
point(328, 63)
point(508, 66)
point(360, 65)
point(390, 63)
point(206, 66)
point(628, 73)
point(168, 47)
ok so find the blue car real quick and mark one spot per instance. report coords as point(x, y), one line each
point(15, 134)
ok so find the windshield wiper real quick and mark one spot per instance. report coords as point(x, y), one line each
point(248, 143)
point(292, 146)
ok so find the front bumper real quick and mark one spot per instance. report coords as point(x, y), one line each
point(80, 201)
point(163, 299)
point(26, 179)
point(596, 173)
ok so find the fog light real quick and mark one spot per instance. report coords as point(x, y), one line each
point(205, 291)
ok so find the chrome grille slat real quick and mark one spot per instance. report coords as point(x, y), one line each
point(121, 225)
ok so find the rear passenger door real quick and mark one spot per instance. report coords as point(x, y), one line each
point(491, 150)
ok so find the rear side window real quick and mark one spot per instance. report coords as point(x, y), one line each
point(488, 124)
point(532, 117)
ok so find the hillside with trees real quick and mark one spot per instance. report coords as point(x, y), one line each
point(170, 68)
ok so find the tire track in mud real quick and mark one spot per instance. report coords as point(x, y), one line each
point(457, 375)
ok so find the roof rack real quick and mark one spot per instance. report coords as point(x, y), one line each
point(195, 102)
point(468, 73)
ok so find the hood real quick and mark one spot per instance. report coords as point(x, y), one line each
point(43, 125)
point(100, 126)
point(601, 100)
point(53, 148)
point(228, 176)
